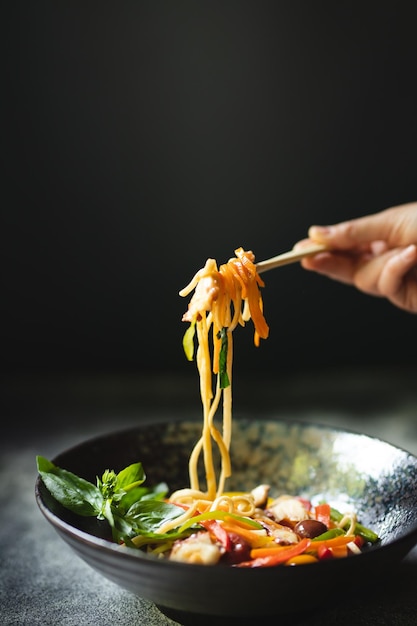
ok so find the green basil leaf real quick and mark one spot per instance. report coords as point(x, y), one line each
point(224, 378)
point(73, 492)
point(142, 493)
point(148, 515)
point(156, 493)
point(130, 477)
point(122, 528)
point(138, 511)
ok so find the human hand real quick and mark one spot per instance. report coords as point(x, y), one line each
point(376, 253)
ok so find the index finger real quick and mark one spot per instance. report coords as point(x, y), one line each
point(396, 226)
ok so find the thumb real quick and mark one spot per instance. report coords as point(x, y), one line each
point(387, 226)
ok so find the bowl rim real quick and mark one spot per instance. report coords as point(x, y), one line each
point(288, 421)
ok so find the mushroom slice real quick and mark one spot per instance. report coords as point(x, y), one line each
point(197, 548)
point(288, 508)
point(278, 532)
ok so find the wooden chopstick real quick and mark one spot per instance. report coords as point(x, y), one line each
point(289, 257)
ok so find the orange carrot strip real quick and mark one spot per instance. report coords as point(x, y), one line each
point(251, 537)
point(336, 542)
point(339, 552)
point(255, 307)
point(268, 550)
point(276, 557)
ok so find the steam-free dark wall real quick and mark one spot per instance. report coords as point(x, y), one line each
point(145, 137)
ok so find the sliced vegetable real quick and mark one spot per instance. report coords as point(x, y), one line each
point(353, 547)
point(362, 531)
point(276, 557)
point(330, 534)
point(220, 515)
point(324, 553)
point(302, 559)
point(359, 541)
point(336, 542)
point(218, 532)
point(253, 537)
point(340, 552)
point(270, 548)
point(322, 513)
point(242, 522)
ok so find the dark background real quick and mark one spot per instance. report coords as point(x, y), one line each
point(144, 137)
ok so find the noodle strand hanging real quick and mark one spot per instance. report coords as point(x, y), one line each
point(223, 298)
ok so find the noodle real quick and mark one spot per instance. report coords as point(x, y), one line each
point(223, 299)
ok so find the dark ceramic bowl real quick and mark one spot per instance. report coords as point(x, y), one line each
point(376, 479)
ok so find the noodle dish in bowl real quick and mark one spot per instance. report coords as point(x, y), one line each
point(231, 517)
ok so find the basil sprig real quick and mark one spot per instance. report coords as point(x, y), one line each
point(130, 508)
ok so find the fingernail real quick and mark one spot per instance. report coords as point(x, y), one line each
point(319, 232)
point(378, 247)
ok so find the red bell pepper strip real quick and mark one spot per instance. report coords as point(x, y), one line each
point(322, 513)
point(218, 531)
point(324, 553)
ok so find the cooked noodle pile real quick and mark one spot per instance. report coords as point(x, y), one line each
point(224, 298)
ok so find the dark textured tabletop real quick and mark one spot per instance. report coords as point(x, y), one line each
point(43, 582)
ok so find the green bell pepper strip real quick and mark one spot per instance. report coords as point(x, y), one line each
point(219, 515)
point(329, 534)
point(366, 533)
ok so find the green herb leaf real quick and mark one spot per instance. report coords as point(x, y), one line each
point(130, 477)
point(122, 528)
point(73, 492)
point(188, 341)
point(148, 515)
point(129, 508)
point(140, 494)
point(224, 378)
